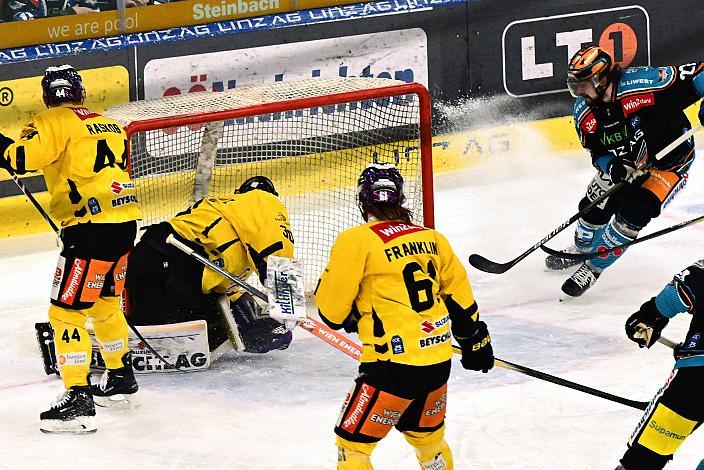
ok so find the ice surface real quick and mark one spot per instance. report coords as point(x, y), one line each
point(277, 410)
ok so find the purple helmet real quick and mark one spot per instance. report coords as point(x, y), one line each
point(62, 84)
point(380, 183)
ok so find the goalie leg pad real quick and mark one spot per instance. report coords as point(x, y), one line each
point(45, 338)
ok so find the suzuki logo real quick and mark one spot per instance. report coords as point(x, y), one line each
point(536, 51)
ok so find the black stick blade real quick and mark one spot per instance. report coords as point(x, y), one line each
point(562, 254)
point(489, 266)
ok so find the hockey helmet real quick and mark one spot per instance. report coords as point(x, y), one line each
point(62, 84)
point(380, 183)
point(257, 182)
point(586, 68)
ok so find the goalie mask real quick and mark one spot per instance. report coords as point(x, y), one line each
point(380, 184)
point(257, 182)
point(62, 84)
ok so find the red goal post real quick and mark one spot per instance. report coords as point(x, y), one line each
point(311, 137)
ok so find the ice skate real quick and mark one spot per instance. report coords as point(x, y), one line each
point(117, 386)
point(580, 281)
point(557, 263)
point(72, 413)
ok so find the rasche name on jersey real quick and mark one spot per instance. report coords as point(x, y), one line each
point(410, 248)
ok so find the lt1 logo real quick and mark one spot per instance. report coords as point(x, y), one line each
point(536, 51)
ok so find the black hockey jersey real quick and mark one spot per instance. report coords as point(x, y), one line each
point(645, 115)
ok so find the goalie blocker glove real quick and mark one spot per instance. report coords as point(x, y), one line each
point(645, 326)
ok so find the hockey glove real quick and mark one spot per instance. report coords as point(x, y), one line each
point(620, 170)
point(258, 332)
point(350, 323)
point(477, 353)
point(701, 113)
point(645, 326)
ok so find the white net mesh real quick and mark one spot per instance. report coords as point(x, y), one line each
point(313, 153)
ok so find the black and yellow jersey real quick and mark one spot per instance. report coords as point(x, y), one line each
point(84, 159)
point(238, 233)
point(397, 277)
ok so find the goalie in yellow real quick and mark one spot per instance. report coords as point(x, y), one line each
point(83, 156)
point(401, 287)
point(237, 233)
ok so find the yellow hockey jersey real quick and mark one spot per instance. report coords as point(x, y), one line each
point(238, 233)
point(84, 159)
point(396, 275)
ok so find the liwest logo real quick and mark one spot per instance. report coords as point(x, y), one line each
point(536, 51)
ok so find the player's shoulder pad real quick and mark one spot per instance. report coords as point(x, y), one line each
point(580, 109)
point(584, 120)
point(645, 79)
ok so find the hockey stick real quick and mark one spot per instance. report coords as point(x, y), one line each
point(667, 342)
point(310, 325)
point(585, 256)
point(56, 230)
point(486, 265)
point(489, 266)
point(353, 350)
point(31, 198)
point(640, 405)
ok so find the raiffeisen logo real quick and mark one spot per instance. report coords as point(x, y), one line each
point(536, 51)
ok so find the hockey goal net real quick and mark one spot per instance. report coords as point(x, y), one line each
point(311, 137)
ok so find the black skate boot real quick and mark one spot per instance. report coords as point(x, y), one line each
point(72, 413)
point(580, 281)
point(556, 263)
point(117, 386)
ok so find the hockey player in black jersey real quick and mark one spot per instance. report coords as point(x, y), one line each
point(678, 408)
point(624, 117)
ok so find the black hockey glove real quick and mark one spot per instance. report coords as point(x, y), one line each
point(645, 326)
point(477, 353)
point(621, 170)
point(701, 113)
point(350, 323)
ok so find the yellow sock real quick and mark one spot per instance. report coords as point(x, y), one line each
point(73, 347)
point(354, 455)
point(432, 451)
point(111, 330)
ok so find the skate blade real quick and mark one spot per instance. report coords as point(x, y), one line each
point(119, 401)
point(82, 425)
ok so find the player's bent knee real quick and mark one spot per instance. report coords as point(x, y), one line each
point(431, 449)
point(640, 209)
point(354, 455)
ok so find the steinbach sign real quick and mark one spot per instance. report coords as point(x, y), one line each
point(536, 51)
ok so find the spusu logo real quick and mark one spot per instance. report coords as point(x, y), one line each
point(536, 51)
